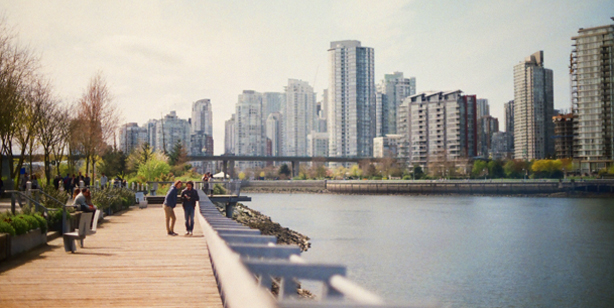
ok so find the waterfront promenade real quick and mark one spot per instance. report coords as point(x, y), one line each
point(130, 261)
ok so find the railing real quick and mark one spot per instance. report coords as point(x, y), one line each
point(246, 264)
point(231, 187)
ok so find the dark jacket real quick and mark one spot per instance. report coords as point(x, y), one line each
point(189, 197)
point(171, 197)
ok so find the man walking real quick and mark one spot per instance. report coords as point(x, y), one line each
point(103, 181)
point(189, 196)
point(170, 201)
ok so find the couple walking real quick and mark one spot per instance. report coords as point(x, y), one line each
point(189, 196)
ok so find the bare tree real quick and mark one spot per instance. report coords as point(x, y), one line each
point(62, 119)
point(97, 119)
point(17, 68)
point(49, 129)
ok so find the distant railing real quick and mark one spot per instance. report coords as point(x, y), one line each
point(246, 264)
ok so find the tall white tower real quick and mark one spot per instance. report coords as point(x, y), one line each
point(351, 99)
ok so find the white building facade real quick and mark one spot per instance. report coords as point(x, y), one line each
point(533, 109)
point(351, 100)
point(300, 117)
point(131, 136)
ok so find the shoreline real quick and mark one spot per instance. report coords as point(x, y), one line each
point(302, 190)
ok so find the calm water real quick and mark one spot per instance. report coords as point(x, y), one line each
point(461, 251)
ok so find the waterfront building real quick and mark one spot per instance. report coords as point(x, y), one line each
point(443, 127)
point(317, 144)
point(390, 95)
point(170, 130)
point(201, 138)
point(487, 126)
point(351, 99)
point(249, 128)
point(500, 146)
point(131, 136)
point(509, 125)
point(404, 129)
point(592, 59)
point(229, 135)
point(299, 117)
point(533, 109)
point(274, 129)
point(387, 146)
point(563, 135)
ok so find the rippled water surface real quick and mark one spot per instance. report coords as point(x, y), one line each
point(461, 251)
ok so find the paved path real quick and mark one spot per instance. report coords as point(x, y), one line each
point(129, 262)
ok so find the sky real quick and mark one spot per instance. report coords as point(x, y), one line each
point(159, 56)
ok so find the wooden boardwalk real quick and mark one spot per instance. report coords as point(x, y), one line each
point(129, 262)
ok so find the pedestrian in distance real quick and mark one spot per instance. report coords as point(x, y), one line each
point(103, 181)
point(34, 182)
point(56, 182)
point(86, 180)
point(170, 201)
point(24, 179)
point(189, 196)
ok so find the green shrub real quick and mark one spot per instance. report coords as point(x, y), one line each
point(21, 226)
point(42, 222)
point(218, 189)
point(55, 220)
point(32, 222)
point(60, 196)
point(5, 227)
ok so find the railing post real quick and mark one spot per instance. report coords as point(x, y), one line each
point(29, 192)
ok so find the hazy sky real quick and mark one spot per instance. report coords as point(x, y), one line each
point(160, 56)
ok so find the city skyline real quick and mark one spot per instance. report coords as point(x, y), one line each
point(167, 56)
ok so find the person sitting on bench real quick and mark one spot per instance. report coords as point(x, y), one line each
point(81, 202)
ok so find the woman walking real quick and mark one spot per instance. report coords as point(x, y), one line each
point(170, 201)
point(189, 196)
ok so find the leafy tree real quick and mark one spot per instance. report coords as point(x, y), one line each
point(113, 162)
point(418, 172)
point(285, 170)
point(480, 167)
point(178, 154)
point(495, 169)
point(548, 168)
point(155, 168)
point(355, 171)
point(515, 169)
point(138, 157)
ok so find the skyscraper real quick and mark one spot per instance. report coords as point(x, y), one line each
point(274, 128)
point(482, 108)
point(229, 135)
point(131, 136)
point(272, 102)
point(533, 109)
point(351, 99)
point(170, 130)
point(299, 117)
point(249, 125)
point(509, 126)
point(592, 59)
point(201, 137)
point(390, 94)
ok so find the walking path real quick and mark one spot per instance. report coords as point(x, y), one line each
point(130, 261)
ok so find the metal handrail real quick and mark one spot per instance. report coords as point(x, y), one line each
point(239, 253)
point(22, 194)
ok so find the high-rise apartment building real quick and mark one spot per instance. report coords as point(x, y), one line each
point(170, 130)
point(299, 117)
point(151, 133)
point(249, 125)
point(509, 126)
point(201, 138)
point(563, 135)
point(592, 61)
point(229, 135)
point(202, 117)
point(390, 95)
point(533, 109)
point(272, 102)
point(500, 146)
point(131, 136)
point(351, 99)
point(274, 131)
point(443, 127)
point(482, 108)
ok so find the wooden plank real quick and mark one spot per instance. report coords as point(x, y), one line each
point(130, 261)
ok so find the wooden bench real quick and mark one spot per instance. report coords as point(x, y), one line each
point(69, 238)
point(91, 231)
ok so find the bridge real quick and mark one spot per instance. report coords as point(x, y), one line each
point(229, 160)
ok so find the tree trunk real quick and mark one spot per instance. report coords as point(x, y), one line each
point(47, 167)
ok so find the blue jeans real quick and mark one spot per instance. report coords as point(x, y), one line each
point(189, 218)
